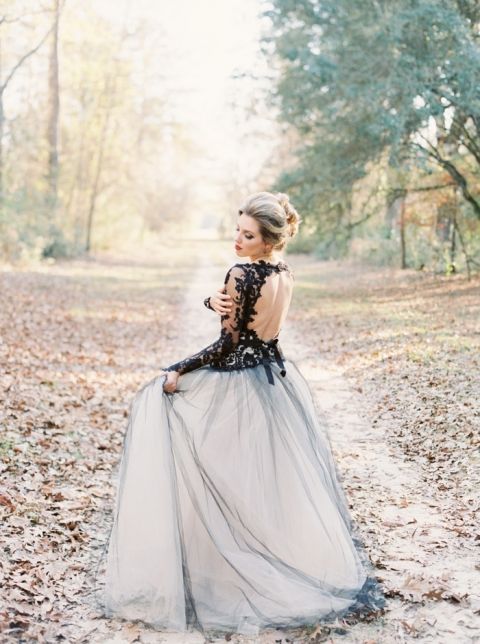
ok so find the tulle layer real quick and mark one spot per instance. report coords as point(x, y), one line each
point(230, 515)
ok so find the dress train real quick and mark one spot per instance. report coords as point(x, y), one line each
point(230, 514)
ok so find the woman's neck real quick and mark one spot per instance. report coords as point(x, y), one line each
point(267, 258)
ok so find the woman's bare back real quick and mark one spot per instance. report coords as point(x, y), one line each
point(261, 293)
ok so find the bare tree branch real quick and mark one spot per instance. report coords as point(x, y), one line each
point(453, 171)
point(20, 62)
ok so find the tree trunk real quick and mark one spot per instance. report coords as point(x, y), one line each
point(4, 83)
point(395, 210)
point(403, 244)
point(395, 200)
point(2, 125)
point(53, 112)
point(98, 168)
point(453, 248)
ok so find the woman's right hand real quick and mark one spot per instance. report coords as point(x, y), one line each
point(170, 384)
point(221, 302)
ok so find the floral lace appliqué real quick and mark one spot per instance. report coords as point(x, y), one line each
point(239, 347)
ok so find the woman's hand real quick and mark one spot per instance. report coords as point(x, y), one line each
point(221, 302)
point(170, 384)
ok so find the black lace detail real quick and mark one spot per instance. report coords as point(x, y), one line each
point(250, 352)
point(206, 302)
point(239, 347)
point(253, 283)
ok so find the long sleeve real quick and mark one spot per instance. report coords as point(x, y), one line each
point(231, 325)
point(206, 302)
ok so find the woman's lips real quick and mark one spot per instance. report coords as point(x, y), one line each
point(238, 247)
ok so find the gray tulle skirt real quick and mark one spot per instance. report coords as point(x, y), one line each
point(230, 514)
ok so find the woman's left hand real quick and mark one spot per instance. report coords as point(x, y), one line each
point(170, 384)
point(221, 302)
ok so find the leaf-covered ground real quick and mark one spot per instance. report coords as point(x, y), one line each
point(75, 341)
point(392, 356)
point(405, 346)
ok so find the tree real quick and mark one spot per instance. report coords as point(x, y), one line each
point(359, 77)
point(8, 74)
point(53, 109)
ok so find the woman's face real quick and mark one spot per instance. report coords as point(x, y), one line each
point(248, 240)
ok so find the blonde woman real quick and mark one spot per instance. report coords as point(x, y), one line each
point(230, 516)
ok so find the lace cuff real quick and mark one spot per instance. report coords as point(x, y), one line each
point(206, 302)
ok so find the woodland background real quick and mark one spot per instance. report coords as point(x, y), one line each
point(375, 108)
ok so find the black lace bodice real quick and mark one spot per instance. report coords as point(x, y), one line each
point(239, 345)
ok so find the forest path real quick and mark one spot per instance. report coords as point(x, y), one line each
point(77, 339)
point(428, 575)
point(403, 527)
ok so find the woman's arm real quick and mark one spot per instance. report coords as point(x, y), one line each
point(231, 324)
point(221, 302)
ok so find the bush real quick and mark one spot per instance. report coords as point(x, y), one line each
point(378, 252)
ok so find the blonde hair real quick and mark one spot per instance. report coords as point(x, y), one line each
point(277, 218)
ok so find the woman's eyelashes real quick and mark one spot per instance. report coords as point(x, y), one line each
point(247, 235)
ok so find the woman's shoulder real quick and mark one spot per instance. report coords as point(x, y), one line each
point(243, 269)
point(236, 271)
point(279, 265)
point(238, 268)
point(284, 266)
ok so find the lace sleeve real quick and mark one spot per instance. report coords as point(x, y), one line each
point(206, 302)
point(231, 325)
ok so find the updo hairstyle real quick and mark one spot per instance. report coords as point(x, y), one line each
point(277, 218)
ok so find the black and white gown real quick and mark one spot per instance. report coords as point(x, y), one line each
point(230, 514)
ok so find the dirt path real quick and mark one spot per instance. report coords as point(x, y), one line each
point(401, 521)
point(91, 334)
point(404, 430)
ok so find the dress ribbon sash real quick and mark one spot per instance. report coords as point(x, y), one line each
point(266, 347)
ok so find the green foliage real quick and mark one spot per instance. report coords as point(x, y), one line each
point(27, 231)
point(364, 82)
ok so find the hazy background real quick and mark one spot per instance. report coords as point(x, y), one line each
point(125, 123)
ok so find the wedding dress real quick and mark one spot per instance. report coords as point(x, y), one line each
point(230, 515)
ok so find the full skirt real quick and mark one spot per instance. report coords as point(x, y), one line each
point(230, 514)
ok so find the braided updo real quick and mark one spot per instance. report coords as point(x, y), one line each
point(277, 218)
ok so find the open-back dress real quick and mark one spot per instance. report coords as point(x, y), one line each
point(230, 514)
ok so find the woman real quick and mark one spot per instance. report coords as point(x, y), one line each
point(230, 515)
